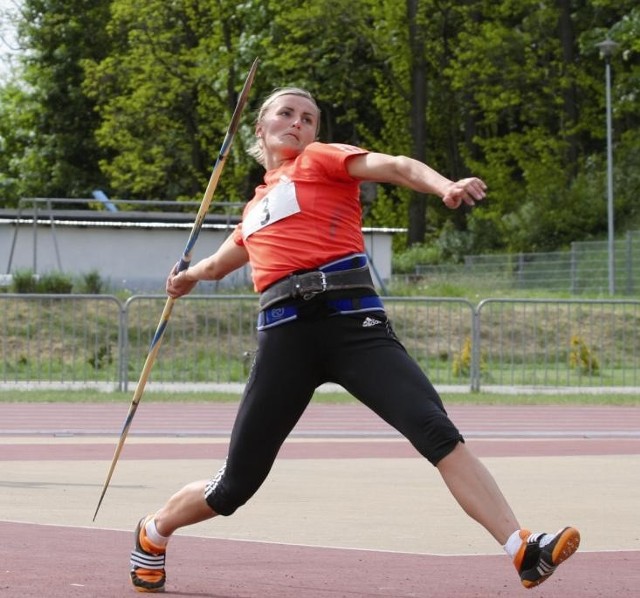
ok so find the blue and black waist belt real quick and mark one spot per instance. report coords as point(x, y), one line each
point(351, 272)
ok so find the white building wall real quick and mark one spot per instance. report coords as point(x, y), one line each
point(134, 256)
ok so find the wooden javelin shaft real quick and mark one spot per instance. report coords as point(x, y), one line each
point(185, 260)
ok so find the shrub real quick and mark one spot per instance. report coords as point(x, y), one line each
point(91, 283)
point(24, 281)
point(54, 282)
point(406, 261)
point(461, 365)
point(102, 357)
point(582, 357)
point(462, 361)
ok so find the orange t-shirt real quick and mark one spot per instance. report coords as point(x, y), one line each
point(306, 214)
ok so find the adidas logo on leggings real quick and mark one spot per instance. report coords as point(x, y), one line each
point(369, 321)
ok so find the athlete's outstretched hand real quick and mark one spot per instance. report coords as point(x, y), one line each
point(468, 191)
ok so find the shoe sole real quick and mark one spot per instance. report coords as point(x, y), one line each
point(145, 591)
point(566, 546)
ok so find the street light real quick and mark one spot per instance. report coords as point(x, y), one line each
point(607, 48)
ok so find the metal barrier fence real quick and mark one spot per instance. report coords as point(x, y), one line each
point(583, 269)
point(65, 339)
point(557, 344)
point(100, 341)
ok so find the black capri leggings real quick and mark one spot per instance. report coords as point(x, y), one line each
point(358, 351)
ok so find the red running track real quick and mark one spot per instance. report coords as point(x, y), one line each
point(319, 420)
point(93, 563)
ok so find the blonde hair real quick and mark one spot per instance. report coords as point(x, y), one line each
point(256, 150)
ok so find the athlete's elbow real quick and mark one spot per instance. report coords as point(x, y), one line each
point(214, 272)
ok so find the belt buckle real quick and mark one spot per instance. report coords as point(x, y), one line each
point(323, 287)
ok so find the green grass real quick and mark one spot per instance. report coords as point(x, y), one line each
point(480, 398)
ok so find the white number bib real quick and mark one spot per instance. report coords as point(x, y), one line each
point(281, 202)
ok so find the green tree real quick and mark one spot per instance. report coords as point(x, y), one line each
point(165, 95)
point(623, 25)
point(423, 115)
point(325, 47)
point(535, 101)
point(47, 122)
point(16, 132)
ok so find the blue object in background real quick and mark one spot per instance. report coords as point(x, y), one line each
point(102, 197)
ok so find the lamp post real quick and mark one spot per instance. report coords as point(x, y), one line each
point(607, 48)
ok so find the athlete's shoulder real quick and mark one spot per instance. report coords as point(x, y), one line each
point(328, 148)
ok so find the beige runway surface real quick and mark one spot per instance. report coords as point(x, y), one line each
point(342, 490)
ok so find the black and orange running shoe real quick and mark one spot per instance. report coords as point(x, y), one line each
point(147, 562)
point(540, 554)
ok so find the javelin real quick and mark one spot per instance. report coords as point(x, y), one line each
point(182, 265)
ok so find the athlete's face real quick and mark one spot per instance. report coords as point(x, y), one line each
point(287, 127)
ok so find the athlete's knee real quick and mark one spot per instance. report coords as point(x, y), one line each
point(435, 439)
point(444, 450)
point(225, 493)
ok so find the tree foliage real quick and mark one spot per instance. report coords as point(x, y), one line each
point(136, 98)
point(533, 76)
point(47, 121)
point(164, 94)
